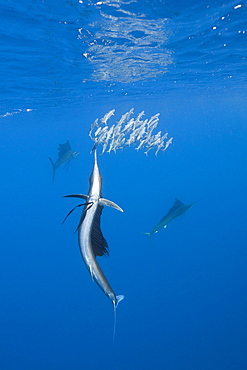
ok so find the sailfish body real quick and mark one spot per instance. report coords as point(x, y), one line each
point(91, 241)
point(176, 210)
point(65, 155)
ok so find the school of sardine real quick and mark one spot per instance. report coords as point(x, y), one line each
point(128, 131)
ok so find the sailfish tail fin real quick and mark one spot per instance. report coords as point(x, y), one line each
point(119, 299)
point(54, 170)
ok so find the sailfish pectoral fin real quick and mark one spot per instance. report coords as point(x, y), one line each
point(106, 202)
point(79, 205)
point(81, 196)
point(67, 165)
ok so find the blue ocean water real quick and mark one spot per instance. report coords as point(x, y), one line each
point(64, 64)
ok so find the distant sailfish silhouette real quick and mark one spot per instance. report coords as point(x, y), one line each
point(65, 154)
point(176, 210)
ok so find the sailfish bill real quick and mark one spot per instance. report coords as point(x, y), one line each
point(91, 240)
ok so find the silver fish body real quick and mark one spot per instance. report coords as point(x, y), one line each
point(90, 237)
point(84, 234)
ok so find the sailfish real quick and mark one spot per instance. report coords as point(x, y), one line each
point(176, 210)
point(65, 155)
point(91, 240)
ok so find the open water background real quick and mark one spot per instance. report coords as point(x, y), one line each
point(63, 64)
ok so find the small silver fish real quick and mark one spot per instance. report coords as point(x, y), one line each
point(168, 143)
point(93, 125)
